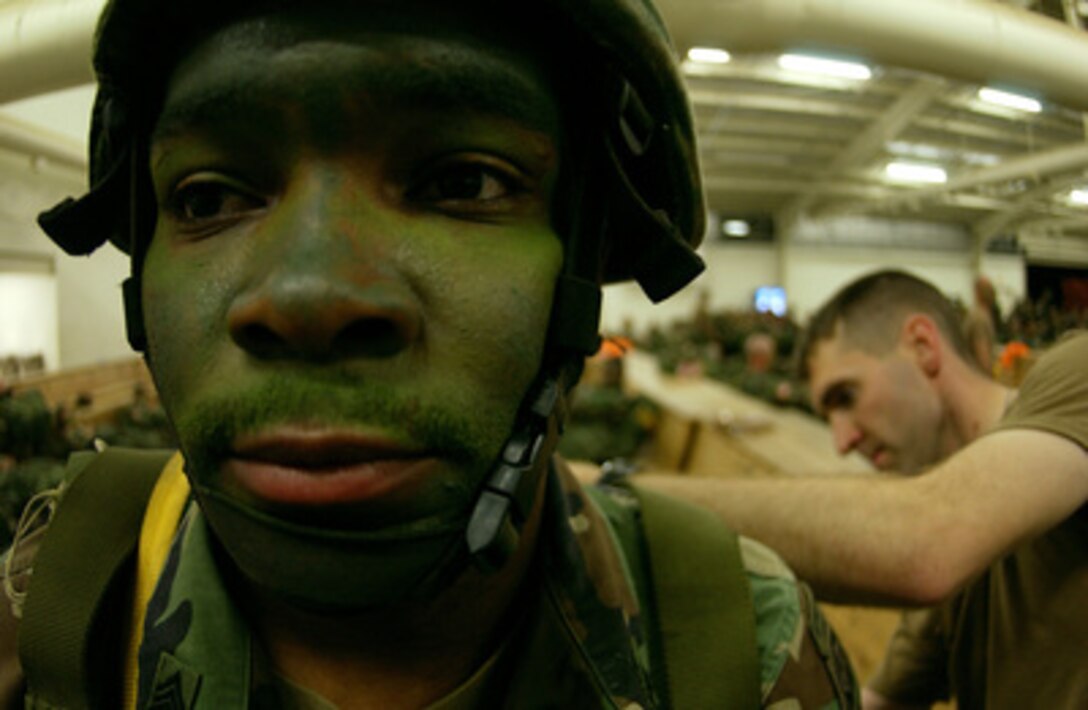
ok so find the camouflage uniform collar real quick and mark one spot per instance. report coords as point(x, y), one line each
point(580, 636)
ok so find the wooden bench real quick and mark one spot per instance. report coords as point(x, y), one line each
point(709, 428)
point(111, 387)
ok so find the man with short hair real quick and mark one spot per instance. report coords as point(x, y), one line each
point(994, 530)
point(367, 242)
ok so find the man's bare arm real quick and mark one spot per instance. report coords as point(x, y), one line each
point(904, 541)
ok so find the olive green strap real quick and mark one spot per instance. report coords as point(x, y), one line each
point(92, 535)
point(704, 612)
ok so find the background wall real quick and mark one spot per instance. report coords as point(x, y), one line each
point(811, 271)
point(77, 308)
point(28, 318)
point(91, 313)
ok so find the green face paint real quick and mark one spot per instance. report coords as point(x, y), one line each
point(351, 274)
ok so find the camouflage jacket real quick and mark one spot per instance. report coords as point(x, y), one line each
point(602, 654)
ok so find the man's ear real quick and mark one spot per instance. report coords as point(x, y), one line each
point(921, 337)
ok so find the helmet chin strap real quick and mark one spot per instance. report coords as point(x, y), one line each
point(337, 571)
point(506, 500)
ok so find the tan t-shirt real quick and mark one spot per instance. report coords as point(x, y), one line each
point(1016, 637)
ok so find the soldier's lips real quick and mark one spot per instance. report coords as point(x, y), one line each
point(314, 468)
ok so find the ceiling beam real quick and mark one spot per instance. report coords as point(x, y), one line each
point(778, 103)
point(1060, 159)
point(890, 124)
point(992, 225)
point(45, 45)
point(977, 42)
point(41, 144)
point(868, 143)
point(809, 148)
point(771, 184)
point(1056, 224)
point(773, 126)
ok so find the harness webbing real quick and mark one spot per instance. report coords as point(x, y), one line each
point(91, 538)
point(704, 612)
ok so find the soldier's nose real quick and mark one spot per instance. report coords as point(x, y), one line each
point(311, 317)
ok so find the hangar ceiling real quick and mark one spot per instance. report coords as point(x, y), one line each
point(781, 143)
point(785, 142)
point(778, 142)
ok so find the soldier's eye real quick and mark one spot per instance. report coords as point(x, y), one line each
point(467, 183)
point(204, 200)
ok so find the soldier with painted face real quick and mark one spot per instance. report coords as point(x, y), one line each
point(367, 241)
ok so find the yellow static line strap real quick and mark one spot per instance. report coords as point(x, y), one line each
point(164, 510)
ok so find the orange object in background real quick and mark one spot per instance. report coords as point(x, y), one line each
point(614, 347)
point(1012, 352)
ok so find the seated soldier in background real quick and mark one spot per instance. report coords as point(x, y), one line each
point(367, 244)
point(760, 377)
point(605, 422)
point(988, 519)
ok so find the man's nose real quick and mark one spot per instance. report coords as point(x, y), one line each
point(844, 433)
point(309, 317)
point(324, 295)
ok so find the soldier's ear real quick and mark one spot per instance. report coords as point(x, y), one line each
point(921, 338)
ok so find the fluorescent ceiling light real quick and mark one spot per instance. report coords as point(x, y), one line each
point(824, 66)
point(709, 55)
point(736, 228)
point(915, 150)
point(1079, 197)
point(1009, 100)
point(916, 172)
point(931, 153)
point(972, 158)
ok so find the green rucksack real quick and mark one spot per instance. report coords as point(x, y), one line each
point(703, 645)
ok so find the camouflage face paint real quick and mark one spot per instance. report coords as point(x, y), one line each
point(390, 282)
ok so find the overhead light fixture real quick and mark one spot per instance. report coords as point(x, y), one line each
point(1010, 100)
point(824, 66)
point(922, 151)
point(931, 153)
point(709, 55)
point(736, 228)
point(1079, 197)
point(973, 158)
point(916, 172)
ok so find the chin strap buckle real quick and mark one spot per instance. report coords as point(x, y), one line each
point(494, 528)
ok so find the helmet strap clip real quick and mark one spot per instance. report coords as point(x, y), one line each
point(505, 503)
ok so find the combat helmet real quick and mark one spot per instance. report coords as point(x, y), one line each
point(646, 179)
point(636, 191)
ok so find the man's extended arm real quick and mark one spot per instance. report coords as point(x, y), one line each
point(904, 541)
